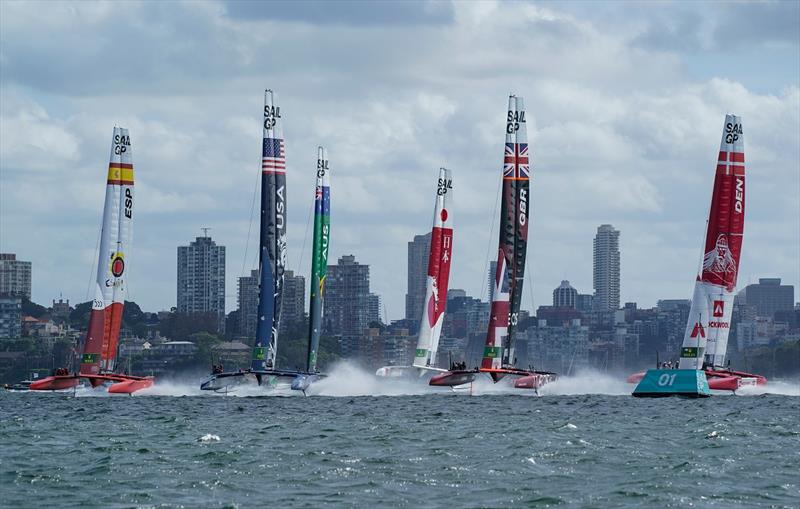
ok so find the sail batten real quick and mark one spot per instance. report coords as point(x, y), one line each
point(438, 277)
point(705, 341)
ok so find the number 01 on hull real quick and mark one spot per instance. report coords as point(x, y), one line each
point(657, 383)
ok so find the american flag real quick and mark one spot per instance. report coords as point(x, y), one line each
point(516, 161)
point(274, 158)
point(318, 193)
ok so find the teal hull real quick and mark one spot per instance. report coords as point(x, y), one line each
point(658, 383)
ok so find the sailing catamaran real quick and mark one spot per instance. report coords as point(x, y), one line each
point(272, 261)
point(705, 341)
point(441, 253)
point(499, 360)
point(102, 337)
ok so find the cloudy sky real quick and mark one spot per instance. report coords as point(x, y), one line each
point(625, 109)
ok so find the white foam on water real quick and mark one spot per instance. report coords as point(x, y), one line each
point(208, 437)
point(588, 382)
point(778, 387)
point(171, 388)
point(349, 379)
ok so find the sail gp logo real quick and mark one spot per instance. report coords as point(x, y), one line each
point(719, 262)
point(719, 308)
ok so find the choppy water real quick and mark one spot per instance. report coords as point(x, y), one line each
point(418, 450)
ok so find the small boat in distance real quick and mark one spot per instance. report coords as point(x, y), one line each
point(437, 282)
point(705, 339)
point(98, 362)
point(499, 359)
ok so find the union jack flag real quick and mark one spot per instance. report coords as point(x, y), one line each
point(273, 157)
point(516, 164)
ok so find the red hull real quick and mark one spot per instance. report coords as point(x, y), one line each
point(123, 384)
point(453, 378)
point(527, 379)
point(534, 380)
point(132, 385)
point(55, 383)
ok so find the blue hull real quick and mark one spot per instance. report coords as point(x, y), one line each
point(659, 383)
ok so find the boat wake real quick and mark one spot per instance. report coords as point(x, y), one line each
point(587, 382)
point(349, 379)
point(778, 388)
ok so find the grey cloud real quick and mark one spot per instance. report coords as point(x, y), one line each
point(757, 23)
point(716, 26)
point(391, 103)
point(344, 12)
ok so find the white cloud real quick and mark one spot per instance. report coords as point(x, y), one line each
point(621, 130)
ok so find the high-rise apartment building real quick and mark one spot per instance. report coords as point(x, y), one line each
point(201, 279)
point(294, 296)
point(292, 308)
point(606, 268)
point(768, 296)
point(349, 306)
point(565, 296)
point(10, 316)
point(247, 299)
point(418, 252)
point(15, 276)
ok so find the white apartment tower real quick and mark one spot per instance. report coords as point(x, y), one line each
point(606, 268)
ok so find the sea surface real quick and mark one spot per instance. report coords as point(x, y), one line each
point(407, 446)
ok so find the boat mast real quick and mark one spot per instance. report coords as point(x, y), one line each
point(437, 281)
point(514, 211)
point(272, 238)
point(714, 288)
point(319, 256)
point(105, 319)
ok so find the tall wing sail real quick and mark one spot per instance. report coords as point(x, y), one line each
point(319, 256)
point(695, 338)
point(430, 327)
point(102, 338)
point(723, 247)
point(272, 242)
point(499, 351)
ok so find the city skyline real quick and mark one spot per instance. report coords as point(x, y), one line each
point(631, 143)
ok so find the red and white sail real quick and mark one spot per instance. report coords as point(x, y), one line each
point(441, 253)
point(102, 338)
point(706, 339)
point(514, 212)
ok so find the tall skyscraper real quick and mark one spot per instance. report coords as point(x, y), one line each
point(247, 297)
point(294, 297)
point(201, 279)
point(15, 276)
point(418, 251)
point(565, 296)
point(349, 307)
point(292, 309)
point(606, 268)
